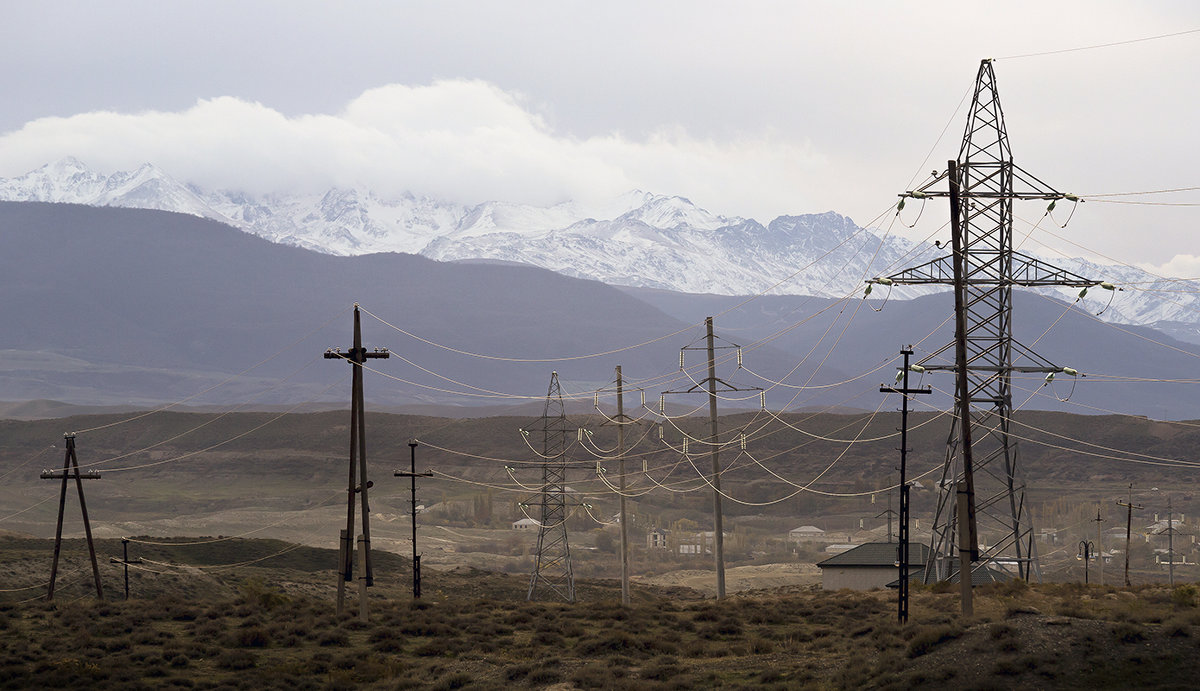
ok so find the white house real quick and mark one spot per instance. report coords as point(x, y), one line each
point(526, 524)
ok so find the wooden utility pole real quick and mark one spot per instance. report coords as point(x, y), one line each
point(1170, 543)
point(710, 383)
point(1130, 506)
point(70, 470)
point(126, 561)
point(621, 422)
point(902, 555)
point(358, 483)
point(412, 474)
point(966, 523)
point(718, 523)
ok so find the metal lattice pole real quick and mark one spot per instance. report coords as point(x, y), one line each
point(552, 563)
point(983, 268)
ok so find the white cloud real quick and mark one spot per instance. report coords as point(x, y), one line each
point(465, 140)
point(1179, 266)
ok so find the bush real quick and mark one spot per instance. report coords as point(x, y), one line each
point(927, 639)
point(1186, 595)
point(236, 660)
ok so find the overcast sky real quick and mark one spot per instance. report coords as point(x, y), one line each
point(755, 109)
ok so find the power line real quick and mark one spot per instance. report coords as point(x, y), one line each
point(1100, 45)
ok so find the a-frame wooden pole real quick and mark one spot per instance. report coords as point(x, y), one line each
point(71, 470)
point(357, 483)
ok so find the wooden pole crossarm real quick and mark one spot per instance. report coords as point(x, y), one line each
point(77, 475)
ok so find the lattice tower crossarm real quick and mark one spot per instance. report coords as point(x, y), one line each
point(552, 572)
point(983, 268)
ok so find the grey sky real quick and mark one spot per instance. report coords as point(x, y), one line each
point(755, 109)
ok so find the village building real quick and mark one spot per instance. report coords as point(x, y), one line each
point(656, 538)
point(868, 566)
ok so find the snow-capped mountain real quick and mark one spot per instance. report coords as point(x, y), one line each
point(638, 239)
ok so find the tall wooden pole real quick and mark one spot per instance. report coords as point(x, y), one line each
point(1170, 541)
point(621, 485)
point(1130, 506)
point(962, 394)
point(357, 483)
point(718, 524)
point(71, 470)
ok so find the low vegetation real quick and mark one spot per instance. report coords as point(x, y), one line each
point(276, 628)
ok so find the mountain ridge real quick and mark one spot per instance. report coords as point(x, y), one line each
point(638, 239)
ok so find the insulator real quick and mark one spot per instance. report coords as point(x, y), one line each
point(1108, 286)
point(1071, 197)
point(680, 359)
point(1071, 371)
point(916, 368)
point(900, 206)
point(599, 470)
point(596, 400)
point(660, 432)
point(1083, 292)
point(643, 399)
point(762, 400)
point(872, 498)
point(884, 281)
point(739, 353)
point(918, 195)
point(685, 445)
point(743, 442)
point(867, 292)
point(1053, 203)
point(899, 376)
point(662, 404)
point(579, 434)
point(644, 466)
point(1049, 377)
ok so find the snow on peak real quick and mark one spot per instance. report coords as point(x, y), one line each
point(672, 212)
point(636, 239)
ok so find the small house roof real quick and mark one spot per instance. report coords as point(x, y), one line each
point(980, 576)
point(877, 554)
point(807, 529)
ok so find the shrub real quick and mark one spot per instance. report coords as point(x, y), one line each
point(338, 638)
point(1186, 595)
point(544, 675)
point(517, 672)
point(929, 638)
point(236, 660)
point(1129, 633)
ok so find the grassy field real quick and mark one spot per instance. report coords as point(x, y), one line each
point(271, 624)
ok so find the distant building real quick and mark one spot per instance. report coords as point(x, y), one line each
point(697, 543)
point(806, 533)
point(656, 538)
point(526, 524)
point(868, 566)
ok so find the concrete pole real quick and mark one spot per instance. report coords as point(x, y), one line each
point(964, 552)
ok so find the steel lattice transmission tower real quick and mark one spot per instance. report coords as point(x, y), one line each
point(552, 565)
point(983, 268)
